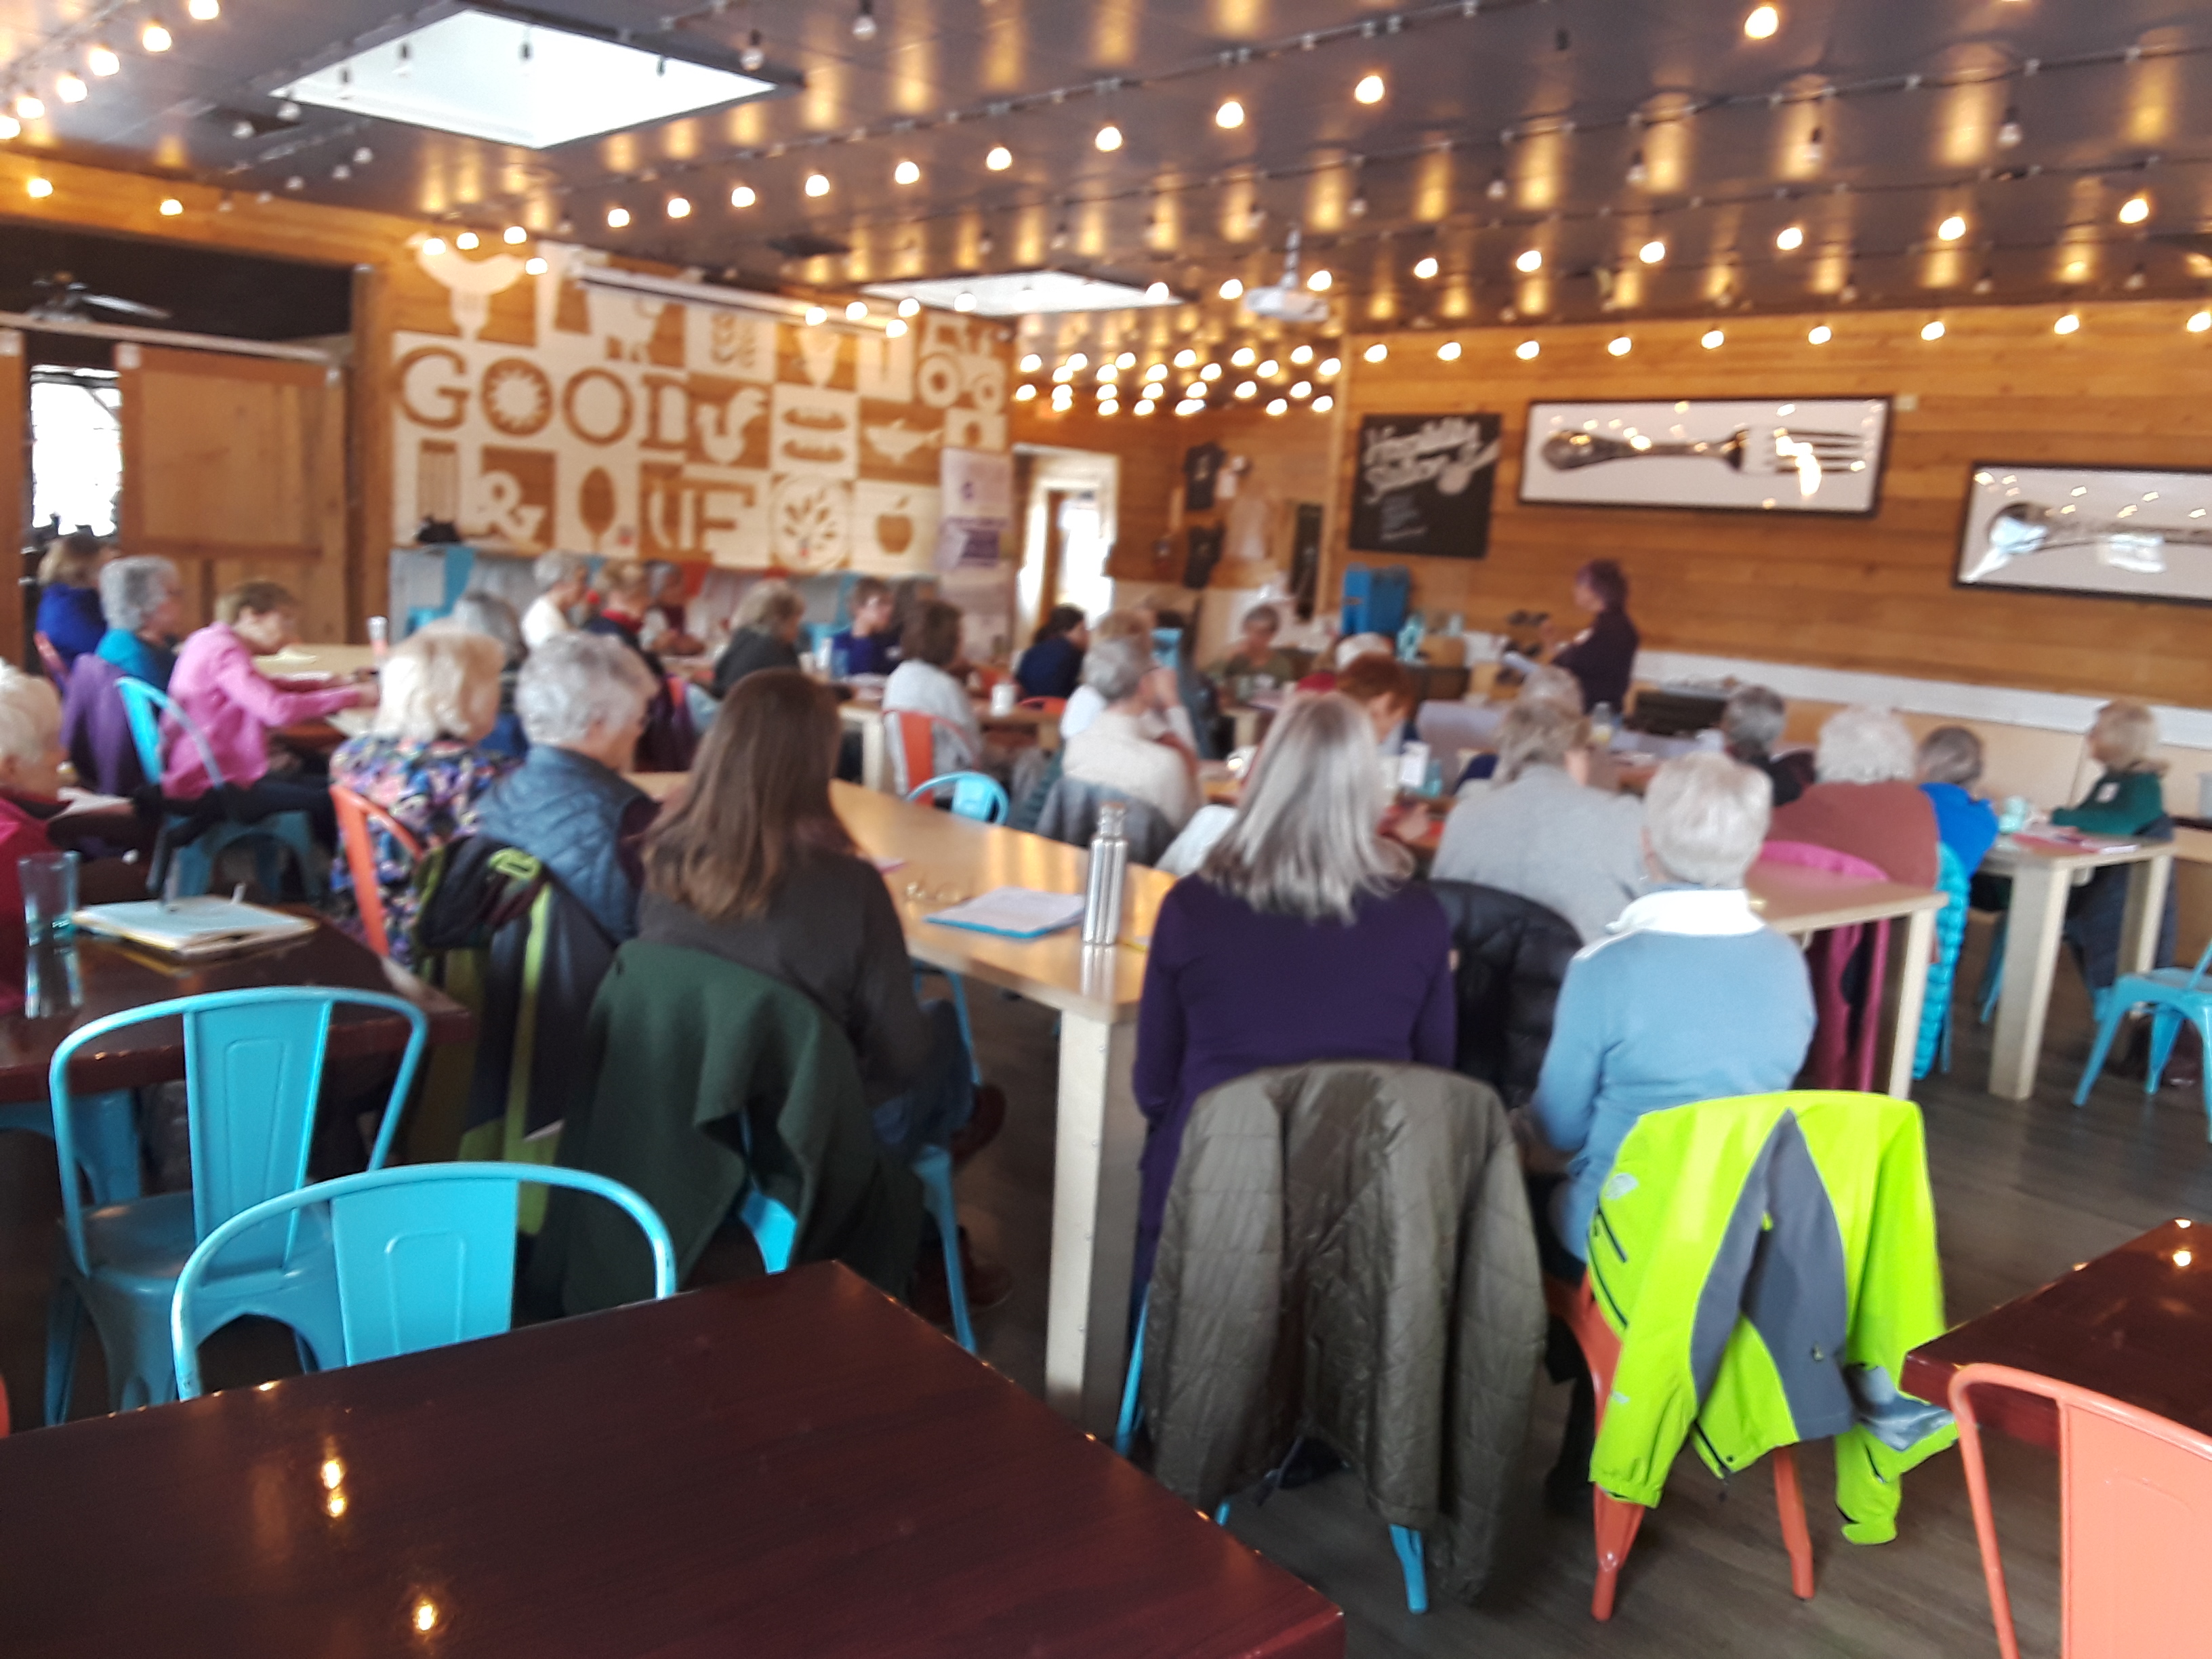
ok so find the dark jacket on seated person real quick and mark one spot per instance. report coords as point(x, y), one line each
point(583, 822)
point(750, 650)
point(711, 1078)
point(1051, 668)
point(1347, 1255)
point(1070, 814)
point(1513, 954)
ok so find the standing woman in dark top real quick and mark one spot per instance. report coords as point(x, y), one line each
point(1603, 655)
point(1052, 666)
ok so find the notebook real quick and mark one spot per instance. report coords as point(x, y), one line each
point(1015, 912)
point(192, 928)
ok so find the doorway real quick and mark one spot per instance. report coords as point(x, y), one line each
point(1069, 528)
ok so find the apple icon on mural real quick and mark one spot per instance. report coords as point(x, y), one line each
point(894, 530)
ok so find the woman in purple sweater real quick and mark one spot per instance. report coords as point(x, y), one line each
point(1302, 938)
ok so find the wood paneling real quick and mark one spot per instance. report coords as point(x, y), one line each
point(1873, 594)
point(15, 487)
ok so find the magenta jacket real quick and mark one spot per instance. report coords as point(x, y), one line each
point(234, 705)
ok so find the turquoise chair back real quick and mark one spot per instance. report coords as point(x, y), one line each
point(975, 795)
point(425, 1253)
point(253, 1070)
point(144, 706)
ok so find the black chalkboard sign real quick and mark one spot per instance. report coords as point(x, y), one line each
point(1424, 484)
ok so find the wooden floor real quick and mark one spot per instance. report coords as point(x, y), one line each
point(2023, 1192)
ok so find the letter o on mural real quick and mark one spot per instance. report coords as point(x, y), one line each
point(518, 398)
point(597, 406)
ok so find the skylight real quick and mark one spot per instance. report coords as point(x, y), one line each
point(1025, 293)
point(514, 81)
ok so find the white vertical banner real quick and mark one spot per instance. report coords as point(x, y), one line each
point(976, 490)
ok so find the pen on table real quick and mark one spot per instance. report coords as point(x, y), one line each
point(169, 887)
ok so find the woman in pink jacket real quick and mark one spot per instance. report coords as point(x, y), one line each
point(235, 706)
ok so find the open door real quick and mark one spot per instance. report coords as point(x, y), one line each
point(15, 494)
point(234, 467)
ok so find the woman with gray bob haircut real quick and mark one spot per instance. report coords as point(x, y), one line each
point(1123, 748)
point(143, 600)
point(572, 687)
point(1752, 723)
point(1704, 820)
point(1866, 804)
point(1301, 939)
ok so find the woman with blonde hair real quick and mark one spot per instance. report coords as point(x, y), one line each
point(767, 626)
point(421, 762)
point(69, 595)
point(2127, 801)
point(1302, 937)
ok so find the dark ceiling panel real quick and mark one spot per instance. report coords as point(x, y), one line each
point(1564, 100)
point(203, 290)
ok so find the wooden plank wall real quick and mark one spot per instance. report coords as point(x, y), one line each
point(1872, 594)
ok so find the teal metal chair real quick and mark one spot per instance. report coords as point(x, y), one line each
point(105, 1145)
point(974, 795)
point(253, 1071)
point(1404, 1540)
point(2173, 996)
point(424, 1256)
point(194, 859)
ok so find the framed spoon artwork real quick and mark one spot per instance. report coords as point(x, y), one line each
point(1752, 455)
point(2113, 531)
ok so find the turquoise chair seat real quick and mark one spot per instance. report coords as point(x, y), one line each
point(2174, 996)
point(253, 1073)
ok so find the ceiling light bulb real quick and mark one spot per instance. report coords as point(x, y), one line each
point(467, 239)
point(1375, 353)
point(906, 173)
point(100, 59)
point(909, 306)
point(817, 184)
point(514, 236)
point(1711, 338)
point(1953, 228)
point(434, 248)
point(2198, 322)
point(1527, 350)
point(1812, 152)
point(1370, 89)
point(1426, 267)
point(856, 311)
point(754, 54)
point(10, 127)
point(1302, 354)
point(30, 108)
point(1318, 282)
point(1530, 259)
point(1323, 404)
point(536, 266)
point(1638, 174)
point(1231, 114)
point(2133, 211)
point(864, 21)
point(679, 207)
point(1024, 393)
point(1327, 368)
point(1620, 345)
point(1247, 388)
point(2069, 323)
point(1278, 406)
point(1108, 137)
point(1449, 351)
point(1820, 335)
point(1126, 359)
point(1032, 362)
point(1760, 23)
point(1932, 331)
point(1232, 289)
point(999, 159)
point(618, 217)
point(71, 88)
point(171, 207)
point(743, 196)
point(40, 188)
point(1185, 358)
point(1211, 372)
point(2009, 131)
point(1652, 251)
point(1790, 238)
point(1158, 292)
point(154, 37)
point(963, 300)
point(1243, 356)
point(203, 11)
point(816, 316)
point(1498, 190)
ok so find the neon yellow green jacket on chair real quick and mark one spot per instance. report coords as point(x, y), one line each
point(1767, 1262)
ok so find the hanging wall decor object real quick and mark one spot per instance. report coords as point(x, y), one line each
point(1755, 455)
point(2112, 531)
point(1423, 483)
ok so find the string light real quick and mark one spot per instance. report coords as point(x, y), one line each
point(1108, 137)
point(1276, 406)
point(1530, 259)
point(856, 311)
point(1318, 282)
point(1820, 335)
point(10, 127)
point(1637, 175)
point(1761, 21)
point(1231, 114)
point(435, 246)
point(1652, 251)
point(1030, 363)
point(1243, 357)
point(1323, 404)
point(1711, 339)
point(2069, 323)
point(1426, 267)
point(907, 172)
point(1370, 89)
point(1933, 331)
point(71, 88)
point(754, 54)
point(171, 207)
point(817, 184)
point(1528, 350)
point(155, 37)
point(30, 108)
point(1302, 354)
point(2199, 322)
point(2135, 209)
point(1449, 351)
point(467, 239)
point(536, 265)
point(1620, 345)
point(100, 59)
point(40, 188)
point(909, 308)
point(1953, 228)
point(743, 196)
point(816, 316)
point(1375, 353)
point(864, 21)
point(1790, 238)
point(999, 159)
point(679, 207)
point(203, 11)
point(618, 217)
point(2009, 132)
point(1232, 289)
point(514, 236)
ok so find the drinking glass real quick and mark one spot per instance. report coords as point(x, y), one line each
point(49, 895)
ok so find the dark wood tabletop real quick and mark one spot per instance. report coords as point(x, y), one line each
point(111, 977)
point(781, 1466)
point(2136, 1324)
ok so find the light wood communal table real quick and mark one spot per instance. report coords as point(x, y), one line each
point(866, 716)
point(336, 660)
point(2040, 882)
point(1801, 903)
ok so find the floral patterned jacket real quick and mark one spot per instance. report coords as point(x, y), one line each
point(433, 789)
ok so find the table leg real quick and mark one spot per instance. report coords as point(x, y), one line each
point(2147, 883)
point(1912, 997)
point(2031, 958)
point(1094, 1221)
point(874, 774)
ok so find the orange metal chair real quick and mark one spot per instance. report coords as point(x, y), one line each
point(354, 814)
point(2134, 1509)
point(1618, 1519)
point(910, 737)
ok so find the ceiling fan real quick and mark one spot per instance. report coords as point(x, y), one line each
point(63, 299)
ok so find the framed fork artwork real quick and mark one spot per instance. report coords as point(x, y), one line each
point(1737, 454)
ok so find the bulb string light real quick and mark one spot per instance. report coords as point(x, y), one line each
point(57, 54)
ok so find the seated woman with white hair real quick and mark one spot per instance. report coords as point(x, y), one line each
point(421, 760)
point(143, 598)
point(582, 699)
point(1867, 802)
point(31, 761)
point(1121, 748)
point(563, 583)
point(1302, 937)
point(1689, 997)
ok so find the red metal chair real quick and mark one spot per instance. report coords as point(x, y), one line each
point(909, 737)
point(354, 814)
point(1618, 1519)
point(2134, 1509)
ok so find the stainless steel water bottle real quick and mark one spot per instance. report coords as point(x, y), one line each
point(1109, 865)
